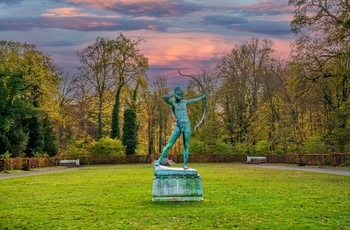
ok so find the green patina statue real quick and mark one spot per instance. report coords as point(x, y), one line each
point(182, 122)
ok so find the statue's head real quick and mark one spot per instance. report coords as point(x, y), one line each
point(178, 93)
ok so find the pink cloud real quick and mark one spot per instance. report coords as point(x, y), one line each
point(190, 52)
point(103, 4)
point(183, 49)
point(67, 12)
point(73, 12)
point(282, 48)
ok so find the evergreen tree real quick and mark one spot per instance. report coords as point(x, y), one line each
point(15, 110)
point(130, 131)
point(5, 144)
point(36, 136)
point(28, 83)
point(49, 138)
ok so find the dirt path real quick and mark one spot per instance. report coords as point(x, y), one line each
point(31, 173)
point(302, 168)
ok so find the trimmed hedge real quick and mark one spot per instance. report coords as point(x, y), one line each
point(335, 159)
point(213, 158)
point(283, 158)
point(130, 159)
point(316, 159)
point(11, 163)
point(27, 163)
point(340, 159)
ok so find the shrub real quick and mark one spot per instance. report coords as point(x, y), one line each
point(7, 154)
point(280, 151)
point(77, 148)
point(240, 148)
point(222, 147)
point(107, 147)
point(40, 155)
point(142, 148)
point(197, 146)
point(314, 145)
point(261, 148)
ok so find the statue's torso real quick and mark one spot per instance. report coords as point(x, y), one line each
point(180, 111)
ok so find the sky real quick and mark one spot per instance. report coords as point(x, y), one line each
point(186, 35)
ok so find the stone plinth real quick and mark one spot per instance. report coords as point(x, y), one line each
point(176, 184)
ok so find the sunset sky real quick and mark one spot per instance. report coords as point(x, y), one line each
point(184, 35)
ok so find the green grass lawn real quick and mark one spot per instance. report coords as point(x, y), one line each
point(120, 197)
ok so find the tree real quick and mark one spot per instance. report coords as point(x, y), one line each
point(67, 96)
point(130, 131)
point(212, 126)
point(329, 18)
point(129, 65)
point(14, 110)
point(28, 83)
point(108, 65)
point(49, 138)
point(321, 56)
point(36, 136)
point(150, 110)
point(159, 87)
point(241, 73)
point(97, 68)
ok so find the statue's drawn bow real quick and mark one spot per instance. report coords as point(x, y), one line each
point(204, 101)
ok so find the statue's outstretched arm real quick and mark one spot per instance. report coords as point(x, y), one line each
point(194, 100)
point(202, 98)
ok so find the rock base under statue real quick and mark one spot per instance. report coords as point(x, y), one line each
point(176, 184)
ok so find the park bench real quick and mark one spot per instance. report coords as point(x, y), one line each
point(70, 162)
point(256, 160)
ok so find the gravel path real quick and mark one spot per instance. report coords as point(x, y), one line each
point(29, 173)
point(271, 166)
point(302, 168)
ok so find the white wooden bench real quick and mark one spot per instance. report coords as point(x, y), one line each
point(70, 162)
point(256, 160)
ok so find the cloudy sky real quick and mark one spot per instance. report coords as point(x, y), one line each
point(180, 34)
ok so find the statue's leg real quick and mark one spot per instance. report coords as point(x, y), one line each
point(186, 140)
point(173, 137)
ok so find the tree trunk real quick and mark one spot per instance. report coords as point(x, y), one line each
point(99, 117)
point(150, 137)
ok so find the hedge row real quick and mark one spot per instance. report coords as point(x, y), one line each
point(27, 163)
point(340, 159)
point(335, 159)
point(283, 158)
point(211, 158)
point(131, 159)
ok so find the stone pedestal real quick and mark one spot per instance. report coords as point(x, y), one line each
point(176, 184)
